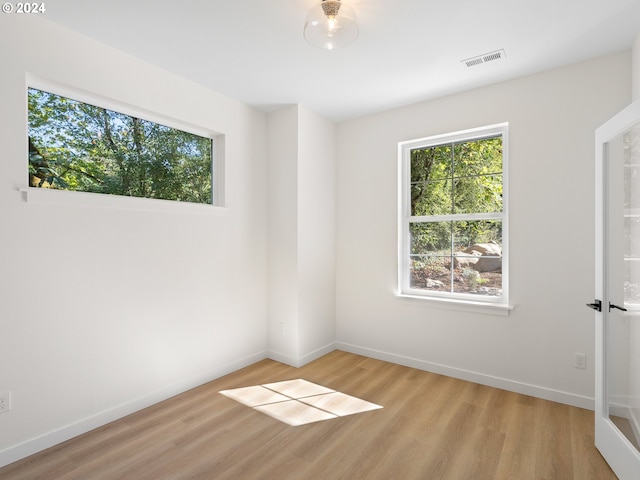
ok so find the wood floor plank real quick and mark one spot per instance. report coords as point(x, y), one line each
point(431, 427)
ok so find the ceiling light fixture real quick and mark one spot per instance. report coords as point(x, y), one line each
point(331, 25)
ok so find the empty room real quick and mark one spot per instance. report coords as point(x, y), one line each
point(320, 239)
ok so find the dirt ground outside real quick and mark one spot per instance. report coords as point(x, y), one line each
point(436, 276)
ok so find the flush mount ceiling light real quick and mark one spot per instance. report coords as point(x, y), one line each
point(331, 25)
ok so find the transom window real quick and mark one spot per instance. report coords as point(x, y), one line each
point(81, 147)
point(453, 223)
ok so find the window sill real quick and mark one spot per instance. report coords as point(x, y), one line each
point(99, 200)
point(462, 305)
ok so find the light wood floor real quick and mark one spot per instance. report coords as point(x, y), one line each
point(431, 427)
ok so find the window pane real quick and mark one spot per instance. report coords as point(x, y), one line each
point(431, 163)
point(469, 233)
point(472, 282)
point(631, 196)
point(480, 157)
point(431, 273)
point(478, 257)
point(81, 147)
point(482, 194)
point(632, 237)
point(430, 238)
point(632, 282)
point(431, 198)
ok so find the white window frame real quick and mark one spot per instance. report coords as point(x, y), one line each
point(497, 304)
point(97, 200)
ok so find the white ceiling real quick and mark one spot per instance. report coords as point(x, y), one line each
point(407, 51)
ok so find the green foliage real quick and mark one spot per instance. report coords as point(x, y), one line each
point(430, 238)
point(457, 178)
point(470, 232)
point(77, 146)
point(446, 238)
point(431, 187)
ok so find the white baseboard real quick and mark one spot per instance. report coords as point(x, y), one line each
point(282, 358)
point(49, 439)
point(476, 377)
point(302, 360)
point(316, 354)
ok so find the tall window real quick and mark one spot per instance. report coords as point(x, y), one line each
point(82, 147)
point(452, 221)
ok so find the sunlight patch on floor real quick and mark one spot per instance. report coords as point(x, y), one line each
point(298, 402)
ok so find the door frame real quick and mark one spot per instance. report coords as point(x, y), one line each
point(617, 450)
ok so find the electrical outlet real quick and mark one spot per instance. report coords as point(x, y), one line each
point(5, 401)
point(580, 360)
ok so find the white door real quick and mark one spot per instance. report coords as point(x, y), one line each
point(617, 304)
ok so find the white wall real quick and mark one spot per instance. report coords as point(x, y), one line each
point(104, 310)
point(301, 235)
point(283, 235)
point(316, 249)
point(552, 118)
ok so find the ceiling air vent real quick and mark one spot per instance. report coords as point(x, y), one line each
point(484, 58)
